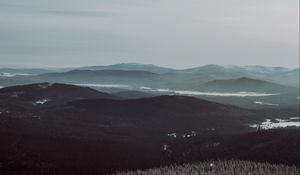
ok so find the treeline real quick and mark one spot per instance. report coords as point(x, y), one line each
point(220, 168)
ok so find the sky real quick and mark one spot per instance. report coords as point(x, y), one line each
point(172, 33)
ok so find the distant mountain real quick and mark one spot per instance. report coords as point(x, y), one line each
point(265, 69)
point(130, 66)
point(99, 76)
point(280, 75)
point(13, 72)
point(5, 82)
point(245, 84)
point(133, 74)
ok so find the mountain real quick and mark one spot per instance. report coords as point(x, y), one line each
point(245, 84)
point(168, 113)
point(280, 75)
point(99, 76)
point(5, 82)
point(47, 93)
point(160, 115)
point(96, 133)
point(132, 74)
point(104, 135)
point(133, 94)
point(10, 72)
point(130, 66)
point(208, 78)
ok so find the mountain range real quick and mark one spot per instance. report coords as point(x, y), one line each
point(86, 130)
point(103, 119)
point(193, 76)
point(151, 80)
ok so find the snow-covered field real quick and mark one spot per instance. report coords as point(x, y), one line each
point(43, 101)
point(279, 123)
point(183, 92)
point(105, 85)
point(5, 74)
point(265, 103)
point(199, 93)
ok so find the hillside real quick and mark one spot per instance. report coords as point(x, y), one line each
point(85, 130)
point(133, 94)
point(167, 113)
point(275, 146)
point(47, 93)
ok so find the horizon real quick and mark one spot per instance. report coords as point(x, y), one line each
point(136, 63)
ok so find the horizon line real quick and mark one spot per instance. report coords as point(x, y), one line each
point(24, 66)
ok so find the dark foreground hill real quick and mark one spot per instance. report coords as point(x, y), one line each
point(98, 136)
point(219, 168)
point(133, 94)
point(275, 146)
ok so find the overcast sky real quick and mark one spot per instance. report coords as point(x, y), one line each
point(173, 33)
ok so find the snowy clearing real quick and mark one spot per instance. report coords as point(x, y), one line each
point(280, 123)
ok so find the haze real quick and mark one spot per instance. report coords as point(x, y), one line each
point(173, 33)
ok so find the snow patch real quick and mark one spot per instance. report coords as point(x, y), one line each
point(163, 90)
point(45, 85)
point(295, 118)
point(222, 94)
point(104, 85)
point(237, 94)
point(211, 129)
point(165, 147)
point(174, 135)
point(268, 124)
point(42, 101)
point(145, 88)
point(5, 74)
point(281, 120)
point(265, 103)
point(188, 135)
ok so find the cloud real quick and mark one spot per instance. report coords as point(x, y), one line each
point(55, 11)
point(192, 32)
point(81, 13)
